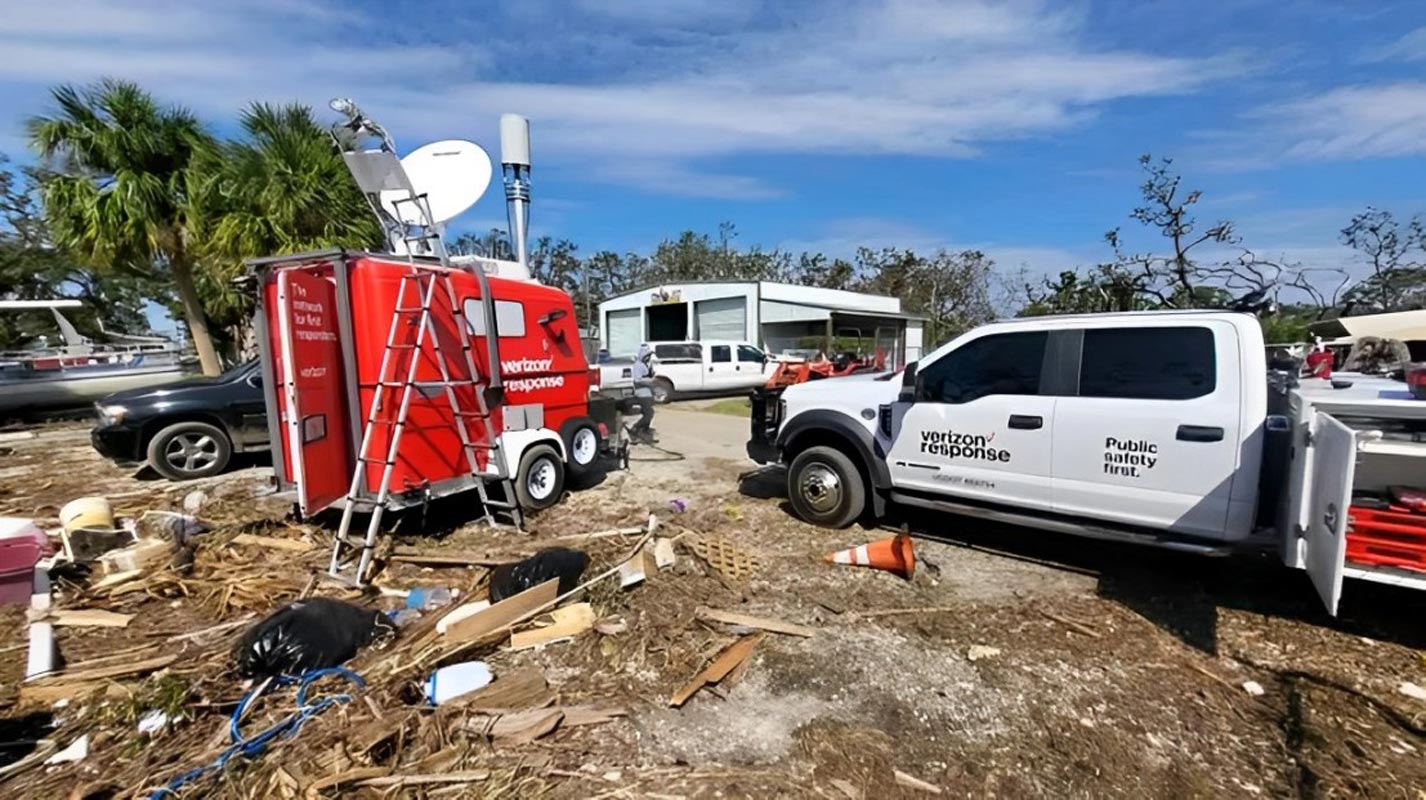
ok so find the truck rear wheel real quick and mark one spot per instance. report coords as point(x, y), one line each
point(662, 389)
point(825, 487)
point(583, 448)
point(540, 481)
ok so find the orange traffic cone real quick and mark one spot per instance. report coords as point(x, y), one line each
point(893, 554)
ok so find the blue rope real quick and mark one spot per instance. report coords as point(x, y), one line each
point(286, 728)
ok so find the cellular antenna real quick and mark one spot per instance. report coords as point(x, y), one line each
point(515, 164)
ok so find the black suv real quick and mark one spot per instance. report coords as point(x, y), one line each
point(185, 430)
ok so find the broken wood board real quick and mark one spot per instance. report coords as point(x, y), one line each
point(730, 560)
point(89, 618)
point(521, 689)
point(401, 781)
point(569, 622)
point(536, 723)
point(135, 557)
point(459, 613)
point(664, 557)
point(80, 675)
point(504, 613)
point(913, 782)
point(733, 655)
point(631, 572)
point(456, 558)
point(749, 621)
point(272, 543)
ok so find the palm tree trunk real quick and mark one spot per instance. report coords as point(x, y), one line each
point(194, 316)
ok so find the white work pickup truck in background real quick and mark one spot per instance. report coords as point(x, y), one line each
point(695, 368)
point(1160, 428)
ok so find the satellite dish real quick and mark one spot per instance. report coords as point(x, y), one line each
point(453, 174)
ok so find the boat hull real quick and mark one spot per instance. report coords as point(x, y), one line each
point(70, 390)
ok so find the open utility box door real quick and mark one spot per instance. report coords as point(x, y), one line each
point(1334, 466)
point(307, 410)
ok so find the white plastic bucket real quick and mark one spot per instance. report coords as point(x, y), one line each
point(87, 512)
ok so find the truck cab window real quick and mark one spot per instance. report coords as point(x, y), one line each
point(750, 355)
point(1148, 363)
point(1005, 363)
point(679, 353)
point(721, 354)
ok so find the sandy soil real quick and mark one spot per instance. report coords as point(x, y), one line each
point(1116, 671)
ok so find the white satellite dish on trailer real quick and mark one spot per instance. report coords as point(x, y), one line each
point(453, 174)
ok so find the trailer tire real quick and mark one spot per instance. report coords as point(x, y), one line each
point(582, 444)
point(540, 480)
point(663, 390)
point(826, 488)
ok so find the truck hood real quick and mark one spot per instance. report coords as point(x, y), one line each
point(851, 393)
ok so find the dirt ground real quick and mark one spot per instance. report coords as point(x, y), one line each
point(1114, 671)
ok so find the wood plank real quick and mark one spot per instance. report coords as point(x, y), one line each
point(117, 578)
point(89, 618)
point(399, 781)
point(733, 655)
point(272, 543)
point(107, 673)
point(504, 613)
point(436, 558)
point(570, 621)
point(524, 688)
point(912, 782)
point(749, 621)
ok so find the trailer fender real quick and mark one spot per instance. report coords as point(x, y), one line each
point(517, 443)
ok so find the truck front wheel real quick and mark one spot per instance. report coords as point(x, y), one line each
point(825, 487)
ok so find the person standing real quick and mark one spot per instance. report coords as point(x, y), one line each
point(643, 375)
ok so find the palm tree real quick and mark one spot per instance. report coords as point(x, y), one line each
point(120, 193)
point(281, 189)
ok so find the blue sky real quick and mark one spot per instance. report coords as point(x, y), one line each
point(1009, 126)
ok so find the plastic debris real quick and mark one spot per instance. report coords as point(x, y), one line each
point(555, 562)
point(153, 722)
point(678, 504)
point(308, 635)
point(1412, 690)
point(979, 651)
point(450, 682)
point(1254, 688)
point(427, 598)
point(78, 750)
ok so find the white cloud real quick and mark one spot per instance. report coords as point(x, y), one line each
point(1347, 123)
point(646, 90)
point(1411, 47)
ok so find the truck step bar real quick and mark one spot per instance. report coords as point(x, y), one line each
point(1074, 527)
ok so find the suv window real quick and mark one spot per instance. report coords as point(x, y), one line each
point(1002, 363)
point(1148, 363)
point(721, 353)
point(747, 353)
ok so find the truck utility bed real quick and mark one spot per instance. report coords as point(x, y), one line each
point(1358, 440)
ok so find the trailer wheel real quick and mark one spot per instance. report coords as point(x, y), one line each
point(663, 390)
point(582, 445)
point(825, 487)
point(540, 481)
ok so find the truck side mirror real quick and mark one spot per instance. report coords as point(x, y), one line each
point(910, 387)
point(553, 316)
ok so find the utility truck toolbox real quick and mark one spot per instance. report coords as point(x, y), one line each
point(1160, 428)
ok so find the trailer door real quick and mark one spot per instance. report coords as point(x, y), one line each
point(314, 429)
point(1334, 464)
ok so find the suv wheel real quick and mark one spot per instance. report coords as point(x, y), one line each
point(187, 450)
point(825, 487)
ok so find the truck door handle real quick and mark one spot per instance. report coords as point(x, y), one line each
point(1026, 423)
point(1199, 433)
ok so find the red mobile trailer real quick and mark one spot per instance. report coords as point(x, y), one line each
point(323, 325)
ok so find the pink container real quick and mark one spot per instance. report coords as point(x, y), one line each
point(21, 546)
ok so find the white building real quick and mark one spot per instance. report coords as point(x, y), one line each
point(781, 318)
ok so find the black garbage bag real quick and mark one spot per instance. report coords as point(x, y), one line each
point(306, 635)
point(556, 562)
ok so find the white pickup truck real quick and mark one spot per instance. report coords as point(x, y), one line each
point(1162, 428)
point(704, 367)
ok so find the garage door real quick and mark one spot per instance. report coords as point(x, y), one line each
point(626, 331)
point(724, 318)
